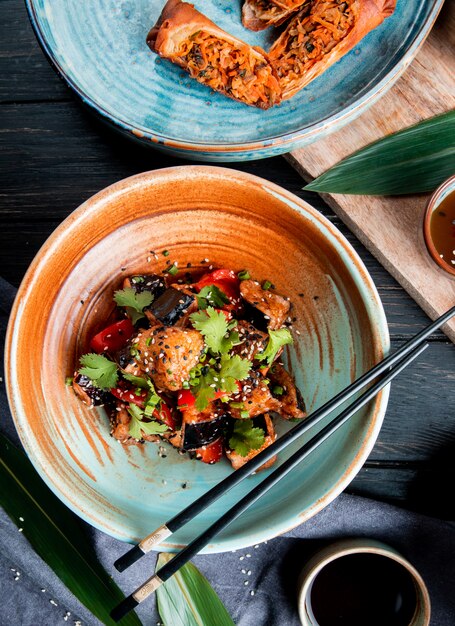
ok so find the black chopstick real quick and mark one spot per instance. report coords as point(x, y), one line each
point(168, 570)
point(182, 518)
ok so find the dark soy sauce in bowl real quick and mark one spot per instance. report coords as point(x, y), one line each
point(363, 589)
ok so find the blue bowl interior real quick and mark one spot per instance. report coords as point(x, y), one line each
point(99, 46)
point(341, 326)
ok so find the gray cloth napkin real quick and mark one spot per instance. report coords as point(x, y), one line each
point(257, 584)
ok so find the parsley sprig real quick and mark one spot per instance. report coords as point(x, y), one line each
point(277, 339)
point(137, 426)
point(101, 371)
point(246, 437)
point(134, 303)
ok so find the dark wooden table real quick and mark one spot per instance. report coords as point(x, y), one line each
point(54, 156)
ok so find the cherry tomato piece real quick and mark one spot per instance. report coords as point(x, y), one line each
point(113, 338)
point(211, 453)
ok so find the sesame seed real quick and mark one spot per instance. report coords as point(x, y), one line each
point(252, 592)
point(248, 556)
point(241, 558)
point(21, 519)
point(246, 583)
point(53, 602)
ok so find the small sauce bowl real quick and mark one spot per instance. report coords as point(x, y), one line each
point(362, 588)
point(442, 193)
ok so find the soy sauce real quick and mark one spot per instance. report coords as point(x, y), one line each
point(363, 590)
point(442, 229)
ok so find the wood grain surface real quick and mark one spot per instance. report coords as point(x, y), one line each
point(391, 228)
point(53, 156)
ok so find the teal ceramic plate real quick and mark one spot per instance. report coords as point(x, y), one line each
point(98, 47)
point(235, 220)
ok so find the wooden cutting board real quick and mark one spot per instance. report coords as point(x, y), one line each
point(391, 227)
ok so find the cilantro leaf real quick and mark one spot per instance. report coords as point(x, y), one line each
point(101, 371)
point(204, 395)
point(277, 339)
point(137, 426)
point(245, 437)
point(134, 303)
point(218, 334)
point(233, 368)
point(137, 381)
point(213, 326)
point(222, 377)
point(211, 295)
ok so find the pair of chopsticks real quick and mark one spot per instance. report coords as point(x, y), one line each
point(387, 369)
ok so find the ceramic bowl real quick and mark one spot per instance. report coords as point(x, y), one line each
point(434, 202)
point(234, 220)
point(98, 47)
point(422, 613)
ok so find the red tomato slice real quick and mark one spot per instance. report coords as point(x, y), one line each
point(113, 338)
point(211, 453)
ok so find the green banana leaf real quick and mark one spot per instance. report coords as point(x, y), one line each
point(414, 160)
point(55, 534)
point(187, 599)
